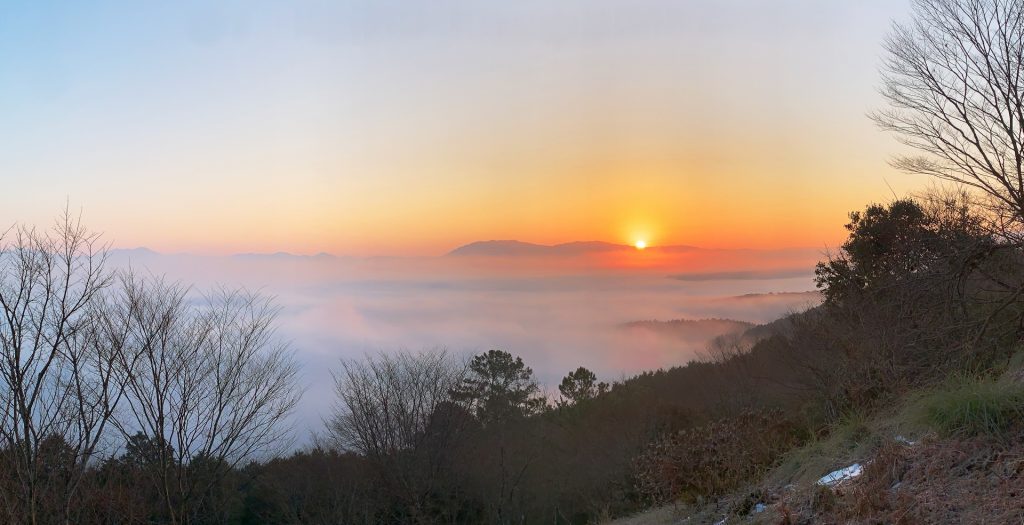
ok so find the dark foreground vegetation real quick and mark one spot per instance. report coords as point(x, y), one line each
point(124, 399)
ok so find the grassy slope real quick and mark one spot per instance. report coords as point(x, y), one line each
point(965, 465)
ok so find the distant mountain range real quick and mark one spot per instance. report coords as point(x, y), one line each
point(514, 248)
point(752, 275)
point(141, 251)
point(511, 248)
point(813, 296)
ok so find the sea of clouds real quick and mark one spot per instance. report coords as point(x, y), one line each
point(556, 313)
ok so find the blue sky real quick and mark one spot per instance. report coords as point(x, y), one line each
point(411, 127)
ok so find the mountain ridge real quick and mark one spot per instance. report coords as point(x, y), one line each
point(512, 247)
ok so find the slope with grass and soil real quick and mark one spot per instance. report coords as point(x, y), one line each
point(953, 453)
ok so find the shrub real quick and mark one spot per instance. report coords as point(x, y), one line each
point(975, 406)
point(715, 458)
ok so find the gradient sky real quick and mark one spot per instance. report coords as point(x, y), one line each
point(384, 127)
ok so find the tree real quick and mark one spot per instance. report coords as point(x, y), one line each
point(395, 411)
point(62, 364)
point(920, 288)
point(212, 386)
point(581, 385)
point(884, 241)
point(386, 402)
point(499, 387)
point(906, 238)
point(316, 486)
point(954, 81)
point(142, 451)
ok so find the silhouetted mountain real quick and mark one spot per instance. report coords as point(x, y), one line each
point(690, 330)
point(141, 251)
point(753, 275)
point(512, 248)
point(812, 296)
point(499, 249)
point(581, 247)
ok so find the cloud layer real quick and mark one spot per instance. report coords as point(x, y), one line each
point(558, 313)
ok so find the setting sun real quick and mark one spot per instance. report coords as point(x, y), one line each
point(640, 244)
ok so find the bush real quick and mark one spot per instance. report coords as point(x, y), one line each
point(715, 458)
point(975, 407)
point(918, 291)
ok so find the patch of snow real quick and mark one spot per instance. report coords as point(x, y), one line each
point(839, 476)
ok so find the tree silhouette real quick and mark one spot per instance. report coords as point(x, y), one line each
point(954, 80)
point(580, 385)
point(499, 387)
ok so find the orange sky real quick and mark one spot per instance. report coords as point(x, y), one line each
point(393, 129)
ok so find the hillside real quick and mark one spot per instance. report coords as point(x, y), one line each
point(904, 464)
point(884, 405)
point(688, 330)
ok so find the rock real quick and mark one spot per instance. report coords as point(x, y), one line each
point(842, 475)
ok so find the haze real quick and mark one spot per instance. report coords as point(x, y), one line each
point(558, 309)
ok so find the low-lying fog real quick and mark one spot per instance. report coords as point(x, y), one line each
point(558, 308)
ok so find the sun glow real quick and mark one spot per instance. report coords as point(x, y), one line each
point(640, 244)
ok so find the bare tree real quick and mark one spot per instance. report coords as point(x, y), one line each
point(953, 80)
point(396, 411)
point(61, 363)
point(212, 387)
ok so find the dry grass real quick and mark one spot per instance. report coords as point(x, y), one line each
point(660, 516)
point(712, 460)
point(855, 439)
point(956, 477)
point(973, 480)
point(974, 406)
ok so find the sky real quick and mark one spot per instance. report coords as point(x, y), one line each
point(410, 128)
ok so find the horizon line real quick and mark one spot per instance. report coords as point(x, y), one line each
point(452, 251)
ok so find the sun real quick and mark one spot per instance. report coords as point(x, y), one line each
point(640, 244)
